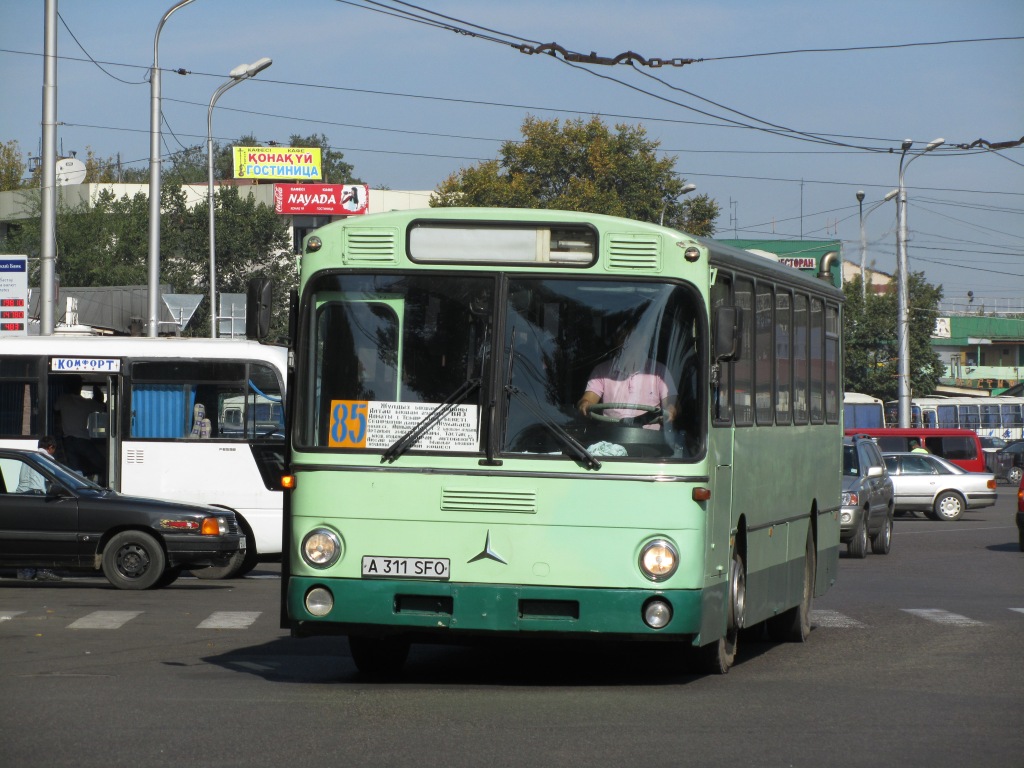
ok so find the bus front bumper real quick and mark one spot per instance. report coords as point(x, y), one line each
point(389, 606)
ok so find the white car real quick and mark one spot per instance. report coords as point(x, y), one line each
point(938, 487)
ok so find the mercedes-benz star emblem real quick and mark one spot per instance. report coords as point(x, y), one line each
point(487, 553)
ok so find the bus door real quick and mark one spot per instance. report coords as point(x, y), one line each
point(83, 402)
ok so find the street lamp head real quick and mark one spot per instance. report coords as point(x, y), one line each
point(890, 195)
point(933, 144)
point(687, 189)
point(907, 144)
point(860, 195)
point(243, 71)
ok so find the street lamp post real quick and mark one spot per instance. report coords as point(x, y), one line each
point(237, 75)
point(687, 189)
point(863, 239)
point(154, 177)
point(903, 308)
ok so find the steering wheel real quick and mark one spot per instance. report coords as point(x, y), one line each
point(652, 413)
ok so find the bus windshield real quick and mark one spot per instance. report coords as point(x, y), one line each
point(386, 350)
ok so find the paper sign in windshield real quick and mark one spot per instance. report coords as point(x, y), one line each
point(375, 424)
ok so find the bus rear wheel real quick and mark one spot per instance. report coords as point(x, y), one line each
point(718, 657)
point(794, 625)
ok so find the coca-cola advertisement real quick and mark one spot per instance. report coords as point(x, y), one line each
point(322, 199)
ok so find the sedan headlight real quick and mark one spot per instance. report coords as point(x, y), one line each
point(850, 499)
point(659, 559)
point(321, 548)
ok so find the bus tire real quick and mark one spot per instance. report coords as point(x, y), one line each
point(378, 658)
point(718, 657)
point(794, 625)
point(949, 505)
point(881, 542)
point(134, 560)
point(858, 545)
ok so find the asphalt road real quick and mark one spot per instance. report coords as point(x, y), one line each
point(914, 661)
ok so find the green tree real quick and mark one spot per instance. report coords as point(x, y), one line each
point(106, 244)
point(251, 241)
point(869, 336)
point(582, 166)
point(12, 166)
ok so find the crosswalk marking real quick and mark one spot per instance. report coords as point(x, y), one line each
point(229, 620)
point(8, 615)
point(104, 620)
point(940, 616)
point(835, 620)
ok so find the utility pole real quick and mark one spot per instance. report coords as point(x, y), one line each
point(48, 212)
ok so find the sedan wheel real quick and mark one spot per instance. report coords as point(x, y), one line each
point(949, 506)
point(1014, 475)
point(881, 542)
point(858, 545)
point(133, 560)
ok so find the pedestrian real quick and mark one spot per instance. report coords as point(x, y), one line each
point(31, 481)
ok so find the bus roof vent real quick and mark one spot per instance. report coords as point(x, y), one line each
point(633, 253)
point(371, 246)
point(486, 500)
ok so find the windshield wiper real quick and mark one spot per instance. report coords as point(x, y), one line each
point(410, 438)
point(574, 447)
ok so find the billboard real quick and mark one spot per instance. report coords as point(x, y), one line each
point(277, 163)
point(13, 296)
point(322, 199)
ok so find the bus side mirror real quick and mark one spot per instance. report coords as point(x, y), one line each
point(728, 327)
point(258, 301)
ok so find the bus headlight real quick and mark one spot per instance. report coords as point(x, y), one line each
point(659, 559)
point(321, 548)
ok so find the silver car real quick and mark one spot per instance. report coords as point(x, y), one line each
point(938, 487)
point(867, 498)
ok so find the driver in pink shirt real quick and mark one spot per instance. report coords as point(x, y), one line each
point(630, 379)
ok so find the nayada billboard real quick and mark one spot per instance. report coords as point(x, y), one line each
point(277, 163)
point(322, 199)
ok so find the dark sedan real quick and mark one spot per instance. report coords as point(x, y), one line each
point(52, 517)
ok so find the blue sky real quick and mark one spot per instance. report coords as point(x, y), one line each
point(409, 104)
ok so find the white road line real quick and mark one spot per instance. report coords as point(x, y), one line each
point(229, 620)
point(940, 616)
point(834, 620)
point(104, 620)
point(8, 615)
point(1018, 610)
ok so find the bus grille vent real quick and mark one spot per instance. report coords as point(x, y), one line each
point(478, 500)
point(134, 456)
point(371, 246)
point(632, 253)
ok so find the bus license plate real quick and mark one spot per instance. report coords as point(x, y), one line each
point(436, 568)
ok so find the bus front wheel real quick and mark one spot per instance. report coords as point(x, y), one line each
point(716, 658)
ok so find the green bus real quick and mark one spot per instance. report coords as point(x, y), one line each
point(550, 424)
